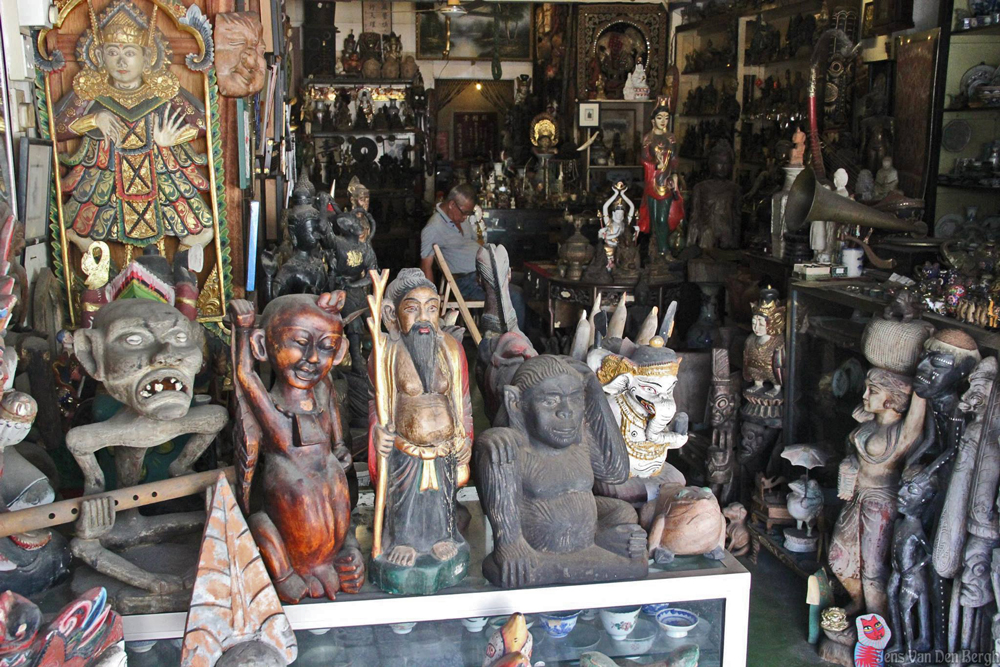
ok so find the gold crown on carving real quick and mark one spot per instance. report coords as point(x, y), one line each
point(614, 365)
point(770, 308)
point(123, 28)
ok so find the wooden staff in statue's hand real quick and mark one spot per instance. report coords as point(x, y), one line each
point(382, 431)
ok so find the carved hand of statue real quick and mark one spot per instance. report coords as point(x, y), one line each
point(172, 130)
point(97, 518)
point(384, 438)
point(343, 455)
point(112, 127)
point(242, 313)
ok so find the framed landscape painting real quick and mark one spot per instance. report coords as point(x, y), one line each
point(472, 36)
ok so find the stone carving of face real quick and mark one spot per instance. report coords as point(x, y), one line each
point(146, 353)
point(302, 341)
point(553, 411)
point(759, 325)
point(123, 63)
point(304, 230)
point(239, 53)
point(915, 491)
point(937, 373)
point(722, 406)
point(362, 200)
point(883, 394)
point(980, 384)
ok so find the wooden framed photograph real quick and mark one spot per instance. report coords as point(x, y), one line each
point(590, 114)
point(34, 187)
point(472, 36)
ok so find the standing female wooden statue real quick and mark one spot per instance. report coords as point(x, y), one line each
point(662, 210)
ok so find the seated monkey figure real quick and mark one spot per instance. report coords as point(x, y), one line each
point(146, 353)
point(303, 530)
point(536, 479)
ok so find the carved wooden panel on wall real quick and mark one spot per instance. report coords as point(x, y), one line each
point(141, 158)
point(916, 68)
point(596, 20)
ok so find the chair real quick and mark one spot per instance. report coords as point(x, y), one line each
point(449, 287)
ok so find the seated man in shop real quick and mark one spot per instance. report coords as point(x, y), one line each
point(452, 231)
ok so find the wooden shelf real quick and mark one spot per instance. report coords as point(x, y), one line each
point(617, 166)
point(361, 133)
point(800, 59)
point(709, 26)
point(712, 70)
point(966, 186)
point(974, 110)
point(355, 81)
point(979, 30)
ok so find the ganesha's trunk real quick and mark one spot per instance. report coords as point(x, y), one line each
point(658, 424)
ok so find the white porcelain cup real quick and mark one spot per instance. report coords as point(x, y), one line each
point(619, 621)
point(853, 259)
point(475, 623)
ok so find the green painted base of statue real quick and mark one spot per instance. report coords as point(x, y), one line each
point(426, 576)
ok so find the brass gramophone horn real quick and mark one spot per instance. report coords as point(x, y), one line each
point(808, 201)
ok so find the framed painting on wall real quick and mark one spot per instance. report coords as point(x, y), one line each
point(506, 26)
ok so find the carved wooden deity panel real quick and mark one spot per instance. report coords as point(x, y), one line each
point(127, 93)
point(627, 28)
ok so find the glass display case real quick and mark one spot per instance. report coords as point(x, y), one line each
point(453, 626)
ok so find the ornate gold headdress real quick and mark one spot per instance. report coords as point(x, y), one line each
point(653, 360)
point(122, 23)
point(771, 309)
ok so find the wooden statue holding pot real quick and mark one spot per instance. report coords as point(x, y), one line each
point(304, 529)
point(892, 424)
point(555, 437)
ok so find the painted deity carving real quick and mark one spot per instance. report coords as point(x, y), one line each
point(662, 209)
point(350, 257)
point(304, 528)
point(618, 234)
point(640, 391)
point(86, 633)
point(135, 177)
point(421, 432)
point(556, 436)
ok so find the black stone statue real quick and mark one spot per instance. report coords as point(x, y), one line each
point(536, 479)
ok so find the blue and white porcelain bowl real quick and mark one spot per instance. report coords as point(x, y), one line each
point(559, 624)
point(654, 609)
point(677, 623)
